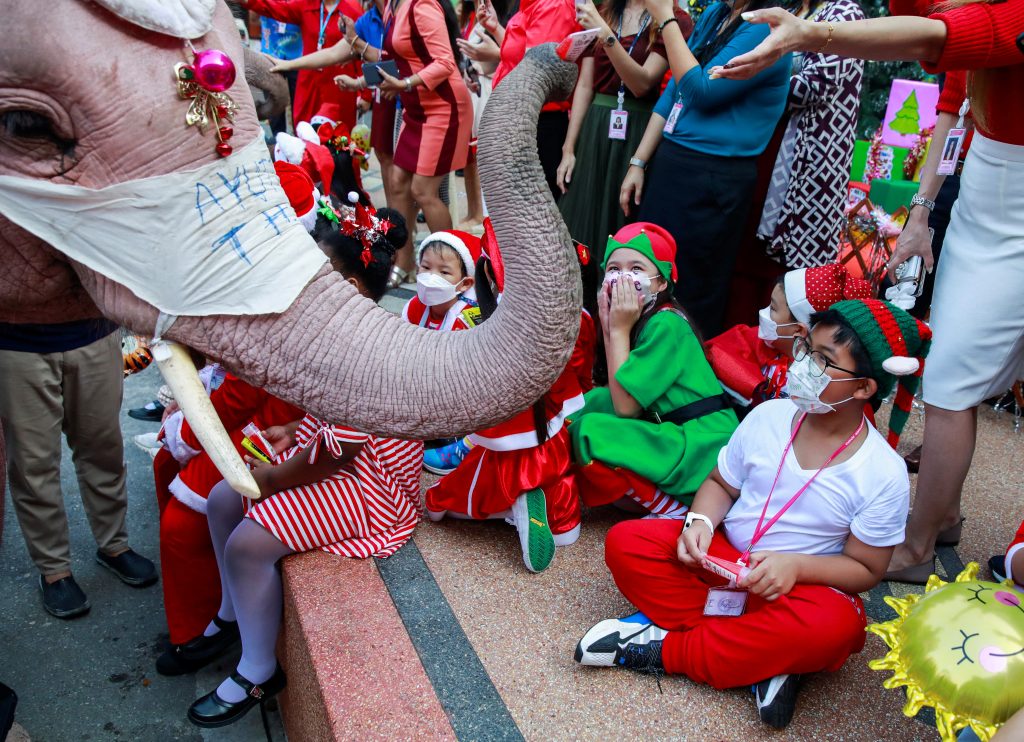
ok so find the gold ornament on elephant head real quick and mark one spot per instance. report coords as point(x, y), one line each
point(204, 81)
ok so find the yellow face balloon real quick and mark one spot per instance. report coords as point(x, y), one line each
point(361, 137)
point(959, 648)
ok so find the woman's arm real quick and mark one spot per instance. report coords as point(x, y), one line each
point(440, 62)
point(339, 53)
point(680, 58)
point(633, 185)
point(859, 568)
point(640, 79)
point(821, 76)
point(883, 39)
point(582, 97)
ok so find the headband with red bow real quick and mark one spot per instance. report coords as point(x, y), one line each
point(365, 227)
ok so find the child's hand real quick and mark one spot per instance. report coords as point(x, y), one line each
point(626, 305)
point(279, 437)
point(693, 543)
point(772, 574)
point(261, 472)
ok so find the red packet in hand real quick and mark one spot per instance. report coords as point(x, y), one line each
point(731, 571)
point(572, 46)
point(256, 444)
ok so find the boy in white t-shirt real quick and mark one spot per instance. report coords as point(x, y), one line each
point(808, 500)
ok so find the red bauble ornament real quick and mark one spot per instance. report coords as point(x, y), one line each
point(225, 133)
point(222, 111)
point(214, 70)
point(223, 149)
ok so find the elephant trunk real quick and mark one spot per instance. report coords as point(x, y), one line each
point(338, 356)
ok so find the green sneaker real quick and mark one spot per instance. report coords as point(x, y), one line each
point(530, 513)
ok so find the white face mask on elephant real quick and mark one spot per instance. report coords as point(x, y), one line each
point(237, 246)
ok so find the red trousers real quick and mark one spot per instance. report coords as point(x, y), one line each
point(600, 484)
point(812, 629)
point(188, 566)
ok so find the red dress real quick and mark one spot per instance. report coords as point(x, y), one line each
point(369, 507)
point(315, 91)
point(437, 118)
point(508, 460)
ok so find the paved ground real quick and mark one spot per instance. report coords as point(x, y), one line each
point(512, 675)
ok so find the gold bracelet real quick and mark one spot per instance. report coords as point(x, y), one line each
point(831, 30)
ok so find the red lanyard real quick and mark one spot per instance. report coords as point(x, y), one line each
point(760, 531)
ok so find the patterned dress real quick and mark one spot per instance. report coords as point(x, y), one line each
point(437, 116)
point(803, 212)
point(369, 507)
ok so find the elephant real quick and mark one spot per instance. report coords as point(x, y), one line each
point(272, 87)
point(88, 99)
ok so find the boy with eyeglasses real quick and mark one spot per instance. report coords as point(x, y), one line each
point(804, 509)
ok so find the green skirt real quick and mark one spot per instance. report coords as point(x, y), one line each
point(590, 207)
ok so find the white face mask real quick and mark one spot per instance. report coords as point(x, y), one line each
point(433, 289)
point(220, 239)
point(647, 294)
point(805, 388)
point(767, 328)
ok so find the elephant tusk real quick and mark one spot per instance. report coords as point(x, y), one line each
point(180, 374)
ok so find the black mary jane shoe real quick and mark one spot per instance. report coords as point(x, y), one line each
point(194, 654)
point(212, 711)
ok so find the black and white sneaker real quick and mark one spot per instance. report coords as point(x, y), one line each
point(776, 699)
point(632, 642)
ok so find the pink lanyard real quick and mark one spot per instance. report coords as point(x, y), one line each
point(760, 531)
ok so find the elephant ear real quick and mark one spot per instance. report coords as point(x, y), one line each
point(183, 19)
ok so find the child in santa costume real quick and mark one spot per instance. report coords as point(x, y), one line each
point(1010, 566)
point(188, 567)
point(653, 433)
point(444, 300)
point(751, 362)
point(519, 470)
point(802, 513)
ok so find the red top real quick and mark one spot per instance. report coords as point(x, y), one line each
point(984, 36)
point(536, 23)
point(315, 91)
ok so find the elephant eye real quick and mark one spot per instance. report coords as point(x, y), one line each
point(34, 125)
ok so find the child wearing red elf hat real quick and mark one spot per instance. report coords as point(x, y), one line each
point(800, 515)
point(751, 362)
point(444, 282)
point(302, 194)
point(519, 470)
point(653, 433)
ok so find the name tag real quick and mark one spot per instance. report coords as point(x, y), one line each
point(673, 117)
point(951, 151)
point(724, 601)
point(617, 124)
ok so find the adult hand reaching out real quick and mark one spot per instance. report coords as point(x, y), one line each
point(346, 82)
point(786, 33)
point(484, 51)
point(348, 27)
point(487, 18)
point(589, 18)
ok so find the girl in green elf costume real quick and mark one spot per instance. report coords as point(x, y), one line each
point(654, 433)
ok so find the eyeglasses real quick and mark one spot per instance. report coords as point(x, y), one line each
point(802, 349)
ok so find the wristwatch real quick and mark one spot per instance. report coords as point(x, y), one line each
point(919, 200)
point(609, 41)
point(692, 516)
point(637, 162)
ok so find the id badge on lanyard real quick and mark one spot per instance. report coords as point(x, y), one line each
point(618, 124)
point(323, 25)
point(954, 143)
point(673, 117)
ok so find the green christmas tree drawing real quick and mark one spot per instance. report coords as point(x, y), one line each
point(908, 119)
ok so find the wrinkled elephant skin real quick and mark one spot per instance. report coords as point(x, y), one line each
point(88, 99)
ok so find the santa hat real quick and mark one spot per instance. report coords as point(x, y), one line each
point(466, 245)
point(810, 290)
point(490, 250)
point(897, 345)
point(650, 240)
point(301, 192)
point(311, 156)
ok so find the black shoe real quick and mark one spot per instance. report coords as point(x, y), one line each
point(182, 659)
point(997, 566)
point(776, 699)
point(153, 412)
point(63, 598)
point(131, 568)
point(213, 711)
point(421, 218)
